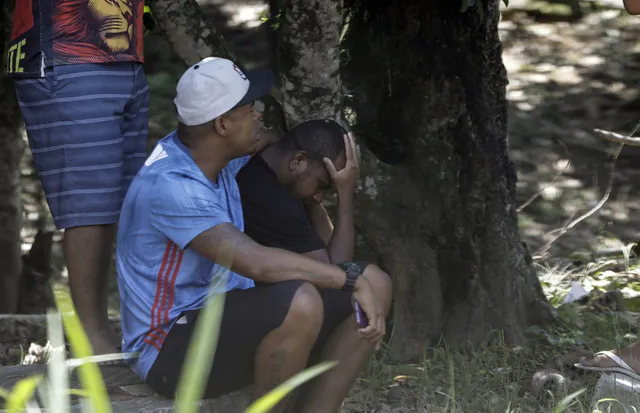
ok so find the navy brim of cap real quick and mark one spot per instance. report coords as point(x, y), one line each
point(261, 81)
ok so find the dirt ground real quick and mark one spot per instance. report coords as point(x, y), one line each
point(567, 78)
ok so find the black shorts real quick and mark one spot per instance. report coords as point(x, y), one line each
point(249, 315)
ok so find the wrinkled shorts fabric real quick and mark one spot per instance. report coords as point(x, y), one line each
point(87, 127)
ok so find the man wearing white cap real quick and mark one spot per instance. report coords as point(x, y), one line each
point(182, 216)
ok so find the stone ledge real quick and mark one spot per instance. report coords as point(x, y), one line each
point(127, 393)
point(18, 331)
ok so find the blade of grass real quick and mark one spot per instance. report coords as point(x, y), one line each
point(75, 362)
point(564, 403)
point(200, 354)
point(21, 393)
point(452, 385)
point(89, 374)
point(611, 401)
point(269, 400)
point(58, 399)
point(42, 392)
point(4, 394)
point(32, 407)
point(203, 344)
point(78, 392)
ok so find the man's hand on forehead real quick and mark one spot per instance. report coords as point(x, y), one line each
point(345, 179)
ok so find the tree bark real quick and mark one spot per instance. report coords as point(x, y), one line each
point(427, 89)
point(11, 147)
point(309, 53)
point(186, 29)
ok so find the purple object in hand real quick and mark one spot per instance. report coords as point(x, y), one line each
point(361, 317)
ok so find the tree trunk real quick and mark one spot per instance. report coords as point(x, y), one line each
point(309, 60)
point(11, 147)
point(426, 94)
point(427, 88)
point(186, 29)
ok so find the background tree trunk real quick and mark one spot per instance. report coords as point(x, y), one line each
point(427, 87)
point(11, 147)
point(309, 60)
point(186, 29)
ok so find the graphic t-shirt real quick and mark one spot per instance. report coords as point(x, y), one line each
point(55, 32)
point(169, 203)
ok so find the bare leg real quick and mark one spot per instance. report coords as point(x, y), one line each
point(630, 355)
point(326, 393)
point(87, 251)
point(285, 350)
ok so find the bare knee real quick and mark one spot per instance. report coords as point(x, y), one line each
point(306, 311)
point(382, 285)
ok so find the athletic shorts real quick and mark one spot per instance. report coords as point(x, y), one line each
point(87, 127)
point(249, 315)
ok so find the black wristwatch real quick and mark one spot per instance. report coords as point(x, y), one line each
point(353, 270)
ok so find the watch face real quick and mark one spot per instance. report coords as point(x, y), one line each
point(353, 270)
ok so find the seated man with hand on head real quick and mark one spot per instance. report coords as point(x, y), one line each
point(282, 189)
point(182, 219)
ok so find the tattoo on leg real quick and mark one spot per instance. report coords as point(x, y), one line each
point(275, 377)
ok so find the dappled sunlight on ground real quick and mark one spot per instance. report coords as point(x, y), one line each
point(565, 79)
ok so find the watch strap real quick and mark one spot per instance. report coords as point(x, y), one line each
point(353, 270)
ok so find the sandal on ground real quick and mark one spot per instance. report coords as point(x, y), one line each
point(622, 367)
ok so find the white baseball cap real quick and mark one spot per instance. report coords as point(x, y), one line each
point(214, 86)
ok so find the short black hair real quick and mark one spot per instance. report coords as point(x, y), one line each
point(322, 138)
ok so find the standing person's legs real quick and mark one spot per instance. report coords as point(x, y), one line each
point(75, 120)
point(87, 253)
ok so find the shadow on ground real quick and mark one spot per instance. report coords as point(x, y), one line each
point(565, 80)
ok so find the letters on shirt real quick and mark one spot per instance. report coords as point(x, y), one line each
point(15, 57)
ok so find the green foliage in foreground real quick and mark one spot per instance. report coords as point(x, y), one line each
point(55, 390)
point(491, 378)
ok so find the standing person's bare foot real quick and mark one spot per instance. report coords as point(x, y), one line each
point(625, 361)
point(102, 343)
point(107, 348)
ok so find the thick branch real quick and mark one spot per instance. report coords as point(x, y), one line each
point(308, 58)
point(187, 31)
point(617, 138)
